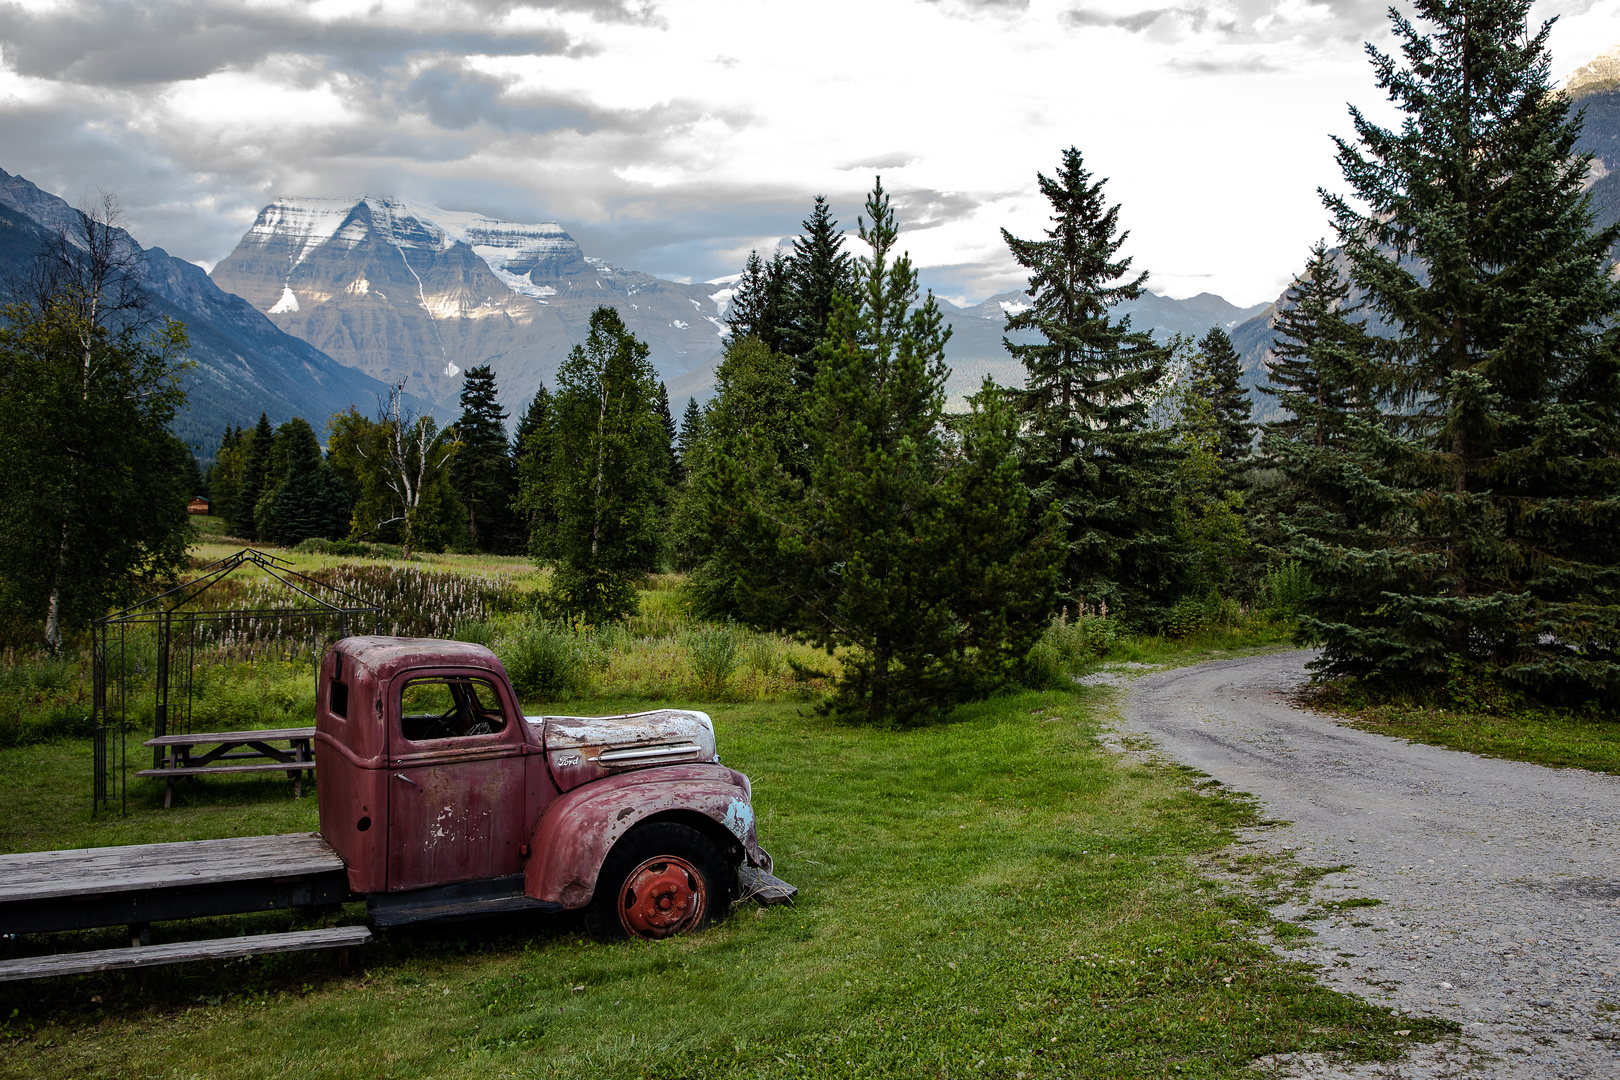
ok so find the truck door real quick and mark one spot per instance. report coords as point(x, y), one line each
point(455, 783)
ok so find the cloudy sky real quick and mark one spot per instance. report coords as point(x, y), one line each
point(672, 136)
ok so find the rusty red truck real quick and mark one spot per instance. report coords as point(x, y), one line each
point(438, 798)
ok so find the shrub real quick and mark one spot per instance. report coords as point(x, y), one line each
point(715, 656)
point(546, 661)
point(1283, 590)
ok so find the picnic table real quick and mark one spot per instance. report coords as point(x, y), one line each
point(227, 755)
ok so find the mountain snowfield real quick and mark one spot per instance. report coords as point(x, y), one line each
point(414, 293)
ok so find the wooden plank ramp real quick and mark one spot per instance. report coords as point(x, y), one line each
point(45, 967)
point(37, 875)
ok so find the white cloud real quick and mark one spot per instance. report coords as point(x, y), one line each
point(674, 137)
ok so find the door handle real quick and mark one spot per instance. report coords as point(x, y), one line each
point(408, 780)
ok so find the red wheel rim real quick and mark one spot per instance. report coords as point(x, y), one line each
point(663, 896)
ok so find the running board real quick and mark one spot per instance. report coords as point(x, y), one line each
point(179, 952)
point(496, 896)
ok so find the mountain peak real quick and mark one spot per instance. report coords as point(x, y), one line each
point(1600, 74)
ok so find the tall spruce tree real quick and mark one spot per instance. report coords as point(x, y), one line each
point(760, 305)
point(1088, 448)
point(255, 476)
point(1319, 358)
point(691, 432)
point(306, 500)
point(1217, 376)
point(608, 467)
point(482, 471)
point(1489, 526)
point(819, 270)
point(1320, 375)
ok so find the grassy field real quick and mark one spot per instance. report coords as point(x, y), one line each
point(993, 896)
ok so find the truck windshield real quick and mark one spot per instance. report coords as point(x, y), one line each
point(449, 708)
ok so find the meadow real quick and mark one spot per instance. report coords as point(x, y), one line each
point(995, 894)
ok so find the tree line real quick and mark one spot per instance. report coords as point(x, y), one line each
point(1438, 489)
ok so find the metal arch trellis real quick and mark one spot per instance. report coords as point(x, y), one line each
point(178, 628)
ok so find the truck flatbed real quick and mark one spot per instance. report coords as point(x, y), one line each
point(46, 891)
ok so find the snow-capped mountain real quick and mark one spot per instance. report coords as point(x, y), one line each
point(417, 293)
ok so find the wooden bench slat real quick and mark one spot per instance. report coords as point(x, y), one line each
point(204, 770)
point(202, 737)
point(35, 875)
point(42, 967)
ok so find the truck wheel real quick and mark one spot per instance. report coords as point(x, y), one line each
point(661, 879)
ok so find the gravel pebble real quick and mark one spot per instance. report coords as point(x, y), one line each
point(1498, 881)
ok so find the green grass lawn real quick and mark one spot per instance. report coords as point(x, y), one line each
point(995, 896)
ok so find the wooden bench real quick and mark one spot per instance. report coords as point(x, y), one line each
point(225, 757)
point(44, 967)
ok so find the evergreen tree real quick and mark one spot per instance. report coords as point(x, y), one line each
point(1320, 376)
point(1487, 535)
point(482, 472)
point(750, 444)
point(255, 476)
point(1319, 358)
point(690, 434)
point(1217, 376)
point(900, 545)
point(760, 305)
point(608, 462)
point(307, 500)
point(672, 474)
point(1089, 449)
point(226, 472)
point(531, 449)
point(819, 270)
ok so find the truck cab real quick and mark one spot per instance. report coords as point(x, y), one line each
point(442, 797)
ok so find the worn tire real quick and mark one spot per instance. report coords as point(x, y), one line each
point(659, 880)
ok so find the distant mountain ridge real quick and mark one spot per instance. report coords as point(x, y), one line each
point(243, 364)
point(416, 293)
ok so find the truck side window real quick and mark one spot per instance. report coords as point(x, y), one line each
point(454, 707)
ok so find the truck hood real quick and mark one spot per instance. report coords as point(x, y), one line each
point(580, 749)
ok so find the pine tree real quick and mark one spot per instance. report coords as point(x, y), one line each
point(482, 471)
point(308, 500)
point(818, 270)
point(1488, 534)
point(760, 305)
point(531, 450)
point(1089, 449)
point(900, 545)
point(1319, 357)
point(749, 454)
point(608, 460)
point(225, 474)
point(1320, 376)
point(1217, 376)
point(255, 476)
point(690, 434)
point(672, 472)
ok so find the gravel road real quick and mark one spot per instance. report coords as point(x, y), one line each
point(1499, 881)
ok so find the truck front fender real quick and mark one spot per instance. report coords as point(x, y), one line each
point(577, 831)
